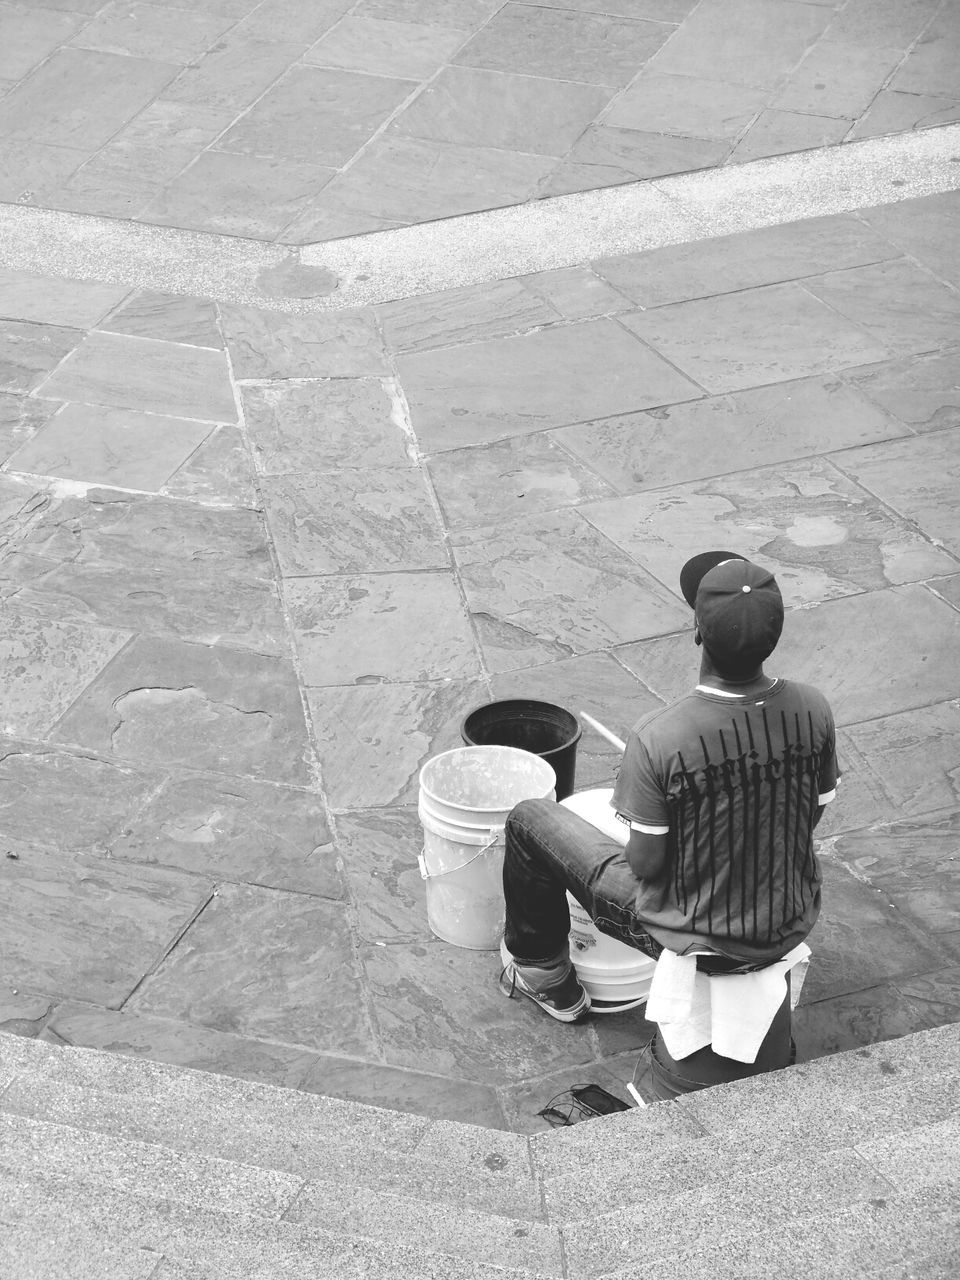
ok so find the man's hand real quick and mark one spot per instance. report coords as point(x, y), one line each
point(647, 855)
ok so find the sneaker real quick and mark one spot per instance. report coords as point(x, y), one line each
point(562, 996)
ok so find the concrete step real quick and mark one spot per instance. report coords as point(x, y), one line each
point(300, 1134)
point(730, 1131)
point(61, 1228)
point(907, 1236)
point(39, 1149)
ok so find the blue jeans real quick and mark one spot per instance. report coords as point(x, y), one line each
point(549, 850)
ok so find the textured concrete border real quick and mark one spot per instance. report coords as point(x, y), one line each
point(476, 248)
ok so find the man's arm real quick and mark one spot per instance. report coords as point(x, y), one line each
point(647, 854)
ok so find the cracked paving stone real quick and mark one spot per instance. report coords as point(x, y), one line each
point(212, 708)
point(88, 927)
point(258, 962)
point(238, 830)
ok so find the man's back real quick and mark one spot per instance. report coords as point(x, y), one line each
point(737, 782)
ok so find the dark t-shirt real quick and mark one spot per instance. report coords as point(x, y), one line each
point(735, 784)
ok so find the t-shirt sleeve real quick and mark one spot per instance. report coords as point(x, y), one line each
point(638, 795)
point(829, 772)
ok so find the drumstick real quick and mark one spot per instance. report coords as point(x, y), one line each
point(603, 731)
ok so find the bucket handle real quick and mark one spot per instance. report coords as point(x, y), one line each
point(435, 875)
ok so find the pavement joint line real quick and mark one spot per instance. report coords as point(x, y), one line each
point(498, 244)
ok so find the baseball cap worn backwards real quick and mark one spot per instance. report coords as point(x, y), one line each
point(739, 611)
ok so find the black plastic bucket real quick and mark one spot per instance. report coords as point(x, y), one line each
point(669, 1078)
point(540, 727)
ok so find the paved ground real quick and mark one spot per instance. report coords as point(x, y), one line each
point(256, 567)
point(298, 121)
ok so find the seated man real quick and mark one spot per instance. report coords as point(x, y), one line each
point(721, 791)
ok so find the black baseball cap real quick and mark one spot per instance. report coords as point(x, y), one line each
point(739, 611)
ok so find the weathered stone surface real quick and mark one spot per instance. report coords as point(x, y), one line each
point(269, 344)
point(777, 132)
point(220, 471)
point(914, 757)
point(20, 419)
point(126, 530)
point(138, 373)
point(312, 426)
point(440, 1005)
point(179, 1043)
point(265, 964)
point(46, 665)
point(861, 939)
point(495, 109)
point(28, 352)
point(63, 800)
point(544, 379)
point(80, 98)
point(86, 927)
point(724, 264)
point(234, 71)
point(23, 1015)
point(464, 15)
point(145, 31)
point(167, 599)
point(710, 43)
point(894, 112)
point(293, 19)
point(30, 36)
point(460, 316)
point(822, 536)
point(238, 195)
point(508, 480)
point(163, 701)
point(895, 302)
point(374, 739)
point(405, 50)
point(34, 172)
point(924, 229)
point(861, 22)
point(915, 865)
point(838, 79)
point(353, 522)
point(593, 48)
point(316, 116)
point(576, 292)
point(727, 433)
point(555, 587)
point(399, 180)
point(685, 106)
point(378, 849)
point(856, 1018)
point(915, 478)
point(630, 154)
point(78, 304)
point(110, 446)
point(236, 830)
point(761, 335)
point(368, 628)
point(922, 391)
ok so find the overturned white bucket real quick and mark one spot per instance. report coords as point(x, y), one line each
point(615, 976)
point(465, 798)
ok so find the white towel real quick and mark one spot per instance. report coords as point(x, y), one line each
point(731, 1012)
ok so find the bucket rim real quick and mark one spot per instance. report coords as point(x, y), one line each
point(459, 833)
point(473, 750)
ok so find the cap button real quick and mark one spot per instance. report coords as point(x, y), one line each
point(744, 588)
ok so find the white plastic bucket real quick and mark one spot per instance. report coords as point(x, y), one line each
point(465, 798)
point(614, 976)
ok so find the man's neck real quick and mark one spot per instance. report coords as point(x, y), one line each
point(712, 680)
